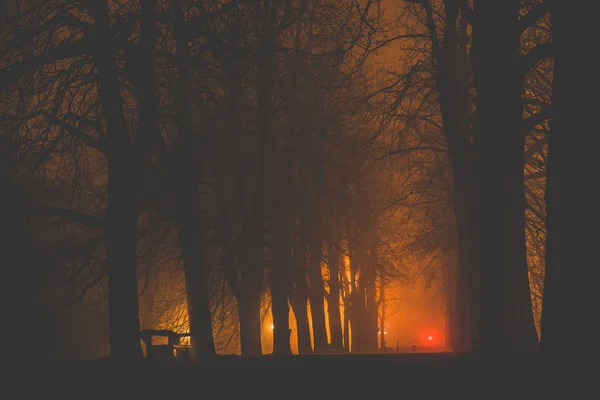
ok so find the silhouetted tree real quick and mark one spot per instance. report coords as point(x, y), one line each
point(506, 320)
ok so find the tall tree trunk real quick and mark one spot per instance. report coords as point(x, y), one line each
point(282, 268)
point(452, 77)
point(356, 304)
point(198, 305)
point(570, 296)
point(347, 346)
point(299, 298)
point(302, 324)
point(553, 334)
point(371, 312)
point(280, 278)
point(317, 293)
point(506, 318)
point(346, 296)
point(244, 274)
point(249, 303)
point(123, 198)
point(453, 320)
point(382, 330)
point(189, 223)
point(333, 299)
point(121, 250)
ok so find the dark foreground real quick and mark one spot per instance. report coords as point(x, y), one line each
point(332, 377)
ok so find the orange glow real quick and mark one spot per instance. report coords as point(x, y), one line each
point(431, 337)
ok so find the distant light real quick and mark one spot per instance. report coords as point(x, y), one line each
point(272, 327)
point(385, 333)
point(430, 338)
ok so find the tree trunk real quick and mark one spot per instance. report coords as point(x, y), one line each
point(299, 298)
point(280, 286)
point(371, 313)
point(200, 318)
point(317, 293)
point(452, 76)
point(249, 303)
point(506, 318)
point(333, 300)
point(453, 319)
point(298, 304)
point(124, 179)
point(347, 330)
point(382, 330)
point(189, 224)
point(121, 254)
point(553, 334)
point(570, 296)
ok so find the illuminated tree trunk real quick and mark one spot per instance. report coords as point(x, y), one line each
point(506, 318)
point(357, 315)
point(347, 310)
point(333, 299)
point(382, 330)
point(302, 325)
point(347, 345)
point(280, 275)
point(357, 320)
point(317, 293)
point(124, 180)
point(249, 301)
point(299, 299)
point(189, 223)
point(363, 267)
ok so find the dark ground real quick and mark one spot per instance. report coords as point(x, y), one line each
point(332, 377)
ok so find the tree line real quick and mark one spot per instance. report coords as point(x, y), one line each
point(255, 148)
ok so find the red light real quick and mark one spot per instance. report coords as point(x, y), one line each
point(431, 337)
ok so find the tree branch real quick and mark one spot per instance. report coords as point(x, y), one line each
point(537, 12)
point(536, 119)
point(411, 149)
point(14, 72)
point(528, 61)
point(68, 215)
point(76, 132)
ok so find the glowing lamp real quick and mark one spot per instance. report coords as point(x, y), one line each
point(430, 338)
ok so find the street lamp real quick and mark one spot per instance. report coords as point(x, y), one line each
point(430, 338)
